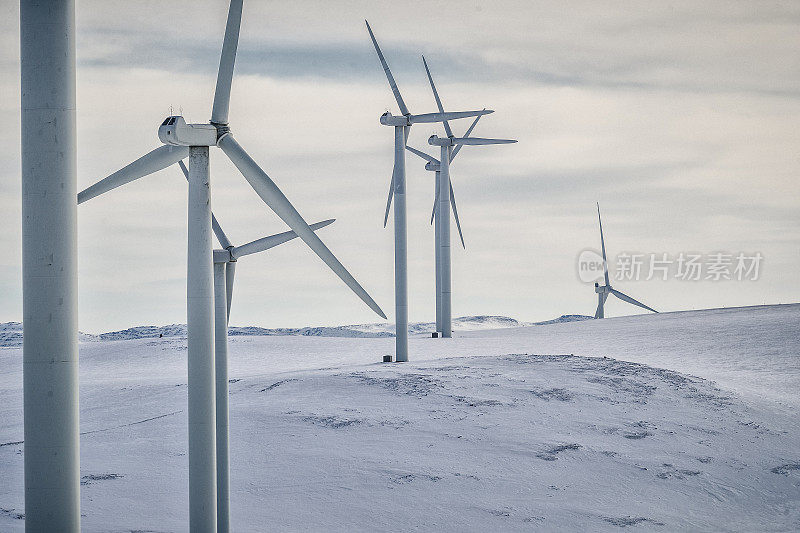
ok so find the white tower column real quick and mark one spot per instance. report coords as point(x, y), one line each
point(600, 302)
point(444, 240)
point(437, 240)
point(221, 363)
point(400, 246)
point(200, 332)
point(49, 266)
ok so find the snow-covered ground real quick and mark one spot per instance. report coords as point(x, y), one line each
point(493, 430)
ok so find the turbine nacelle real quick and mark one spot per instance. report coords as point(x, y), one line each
point(176, 132)
point(387, 119)
point(223, 256)
point(435, 140)
point(434, 167)
point(601, 289)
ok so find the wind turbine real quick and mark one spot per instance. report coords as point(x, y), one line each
point(604, 290)
point(225, 261)
point(402, 125)
point(432, 165)
point(193, 140)
point(450, 146)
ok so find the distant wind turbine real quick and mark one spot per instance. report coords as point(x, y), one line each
point(604, 290)
point(193, 140)
point(402, 125)
point(433, 166)
point(450, 146)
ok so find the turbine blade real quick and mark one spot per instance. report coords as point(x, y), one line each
point(474, 141)
point(603, 245)
point(435, 199)
point(389, 201)
point(626, 298)
point(221, 237)
point(184, 169)
point(230, 272)
point(422, 154)
point(436, 97)
point(265, 243)
point(467, 134)
point(455, 214)
point(450, 115)
point(222, 94)
point(392, 84)
point(277, 201)
point(160, 158)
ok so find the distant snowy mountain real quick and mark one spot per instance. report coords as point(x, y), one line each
point(143, 332)
point(11, 332)
point(464, 323)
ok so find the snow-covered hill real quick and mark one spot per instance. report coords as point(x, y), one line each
point(493, 430)
point(11, 335)
point(11, 332)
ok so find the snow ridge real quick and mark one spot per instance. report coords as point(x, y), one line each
point(11, 332)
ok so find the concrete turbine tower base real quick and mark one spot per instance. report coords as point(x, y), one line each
point(49, 266)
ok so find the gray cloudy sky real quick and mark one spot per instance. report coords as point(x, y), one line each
point(680, 118)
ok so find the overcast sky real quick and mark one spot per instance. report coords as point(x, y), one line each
point(680, 118)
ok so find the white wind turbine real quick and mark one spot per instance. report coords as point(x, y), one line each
point(225, 261)
point(193, 140)
point(402, 125)
point(450, 146)
point(604, 290)
point(433, 165)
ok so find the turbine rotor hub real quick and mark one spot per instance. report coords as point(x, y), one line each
point(222, 129)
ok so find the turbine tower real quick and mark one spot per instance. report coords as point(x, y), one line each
point(193, 140)
point(604, 290)
point(397, 189)
point(225, 261)
point(449, 146)
point(433, 166)
point(49, 266)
